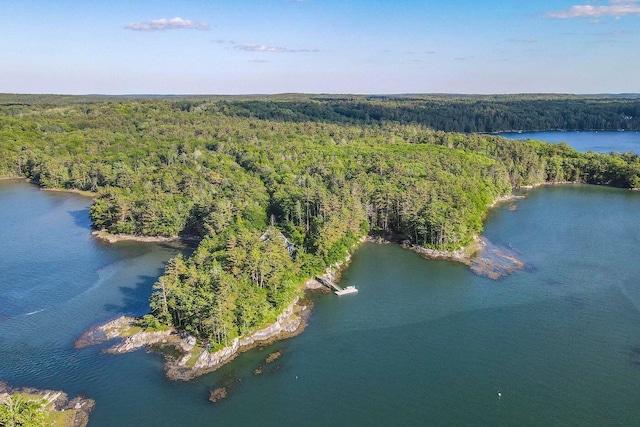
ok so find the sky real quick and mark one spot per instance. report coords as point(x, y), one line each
point(319, 46)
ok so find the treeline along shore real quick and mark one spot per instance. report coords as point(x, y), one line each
point(276, 189)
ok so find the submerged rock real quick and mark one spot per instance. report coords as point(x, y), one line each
point(496, 262)
point(217, 394)
point(273, 357)
point(269, 359)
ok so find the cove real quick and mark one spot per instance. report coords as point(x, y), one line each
point(597, 141)
point(422, 343)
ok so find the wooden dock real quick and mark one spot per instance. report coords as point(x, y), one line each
point(338, 290)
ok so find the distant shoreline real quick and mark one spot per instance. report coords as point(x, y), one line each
point(84, 193)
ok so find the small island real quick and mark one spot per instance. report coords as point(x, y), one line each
point(32, 407)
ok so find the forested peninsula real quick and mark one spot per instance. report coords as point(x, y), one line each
point(277, 188)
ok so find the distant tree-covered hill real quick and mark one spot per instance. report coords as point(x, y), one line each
point(450, 113)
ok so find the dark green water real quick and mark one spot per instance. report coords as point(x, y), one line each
point(422, 343)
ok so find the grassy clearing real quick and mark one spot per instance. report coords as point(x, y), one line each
point(60, 418)
point(132, 330)
point(50, 416)
point(195, 353)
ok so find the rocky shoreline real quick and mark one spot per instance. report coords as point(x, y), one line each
point(184, 360)
point(74, 412)
point(193, 360)
point(84, 193)
point(484, 258)
point(290, 322)
point(463, 255)
point(504, 199)
point(114, 238)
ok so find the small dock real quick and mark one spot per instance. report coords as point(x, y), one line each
point(338, 290)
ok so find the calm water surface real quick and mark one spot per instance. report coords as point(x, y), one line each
point(600, 142)
point(422, 343)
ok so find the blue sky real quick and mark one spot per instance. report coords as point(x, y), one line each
point(319, 46)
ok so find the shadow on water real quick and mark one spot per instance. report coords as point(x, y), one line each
point(186, 247)
point(81, 218)
point(135, 300)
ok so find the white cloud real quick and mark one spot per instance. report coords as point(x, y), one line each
point(617, 33)
point(615, 8)
point(270, 49)
point(260, 48)
point(523, 40)
point(167, 24)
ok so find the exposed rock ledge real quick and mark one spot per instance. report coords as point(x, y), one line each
point(507, 198)
point(122, 327)
point(463, 255)
point(113, 238)
point(78, 409)
point(289, 323)
point(484, 258)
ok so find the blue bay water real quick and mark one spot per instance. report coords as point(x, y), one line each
point(56, 280)
point(599, 142)
point(422, 343)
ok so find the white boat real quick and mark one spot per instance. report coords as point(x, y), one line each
point(347, 290)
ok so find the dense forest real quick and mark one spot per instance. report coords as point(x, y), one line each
point(245, 174)
point(23, 410)
point(450, 113)
point(460, 114)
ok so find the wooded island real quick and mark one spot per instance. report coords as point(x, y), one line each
point(241, 173)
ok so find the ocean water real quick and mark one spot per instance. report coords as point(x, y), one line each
point(422, 343)
point(599, 142)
